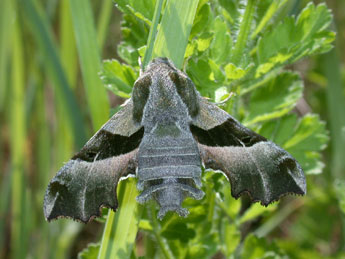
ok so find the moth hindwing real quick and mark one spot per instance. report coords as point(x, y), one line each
point(163, 135)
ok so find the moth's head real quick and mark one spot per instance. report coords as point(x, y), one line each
point(160, 62)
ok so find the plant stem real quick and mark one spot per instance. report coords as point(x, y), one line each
point(153, 32)
point(271, 11)
point(244, 32)
point(156, 231)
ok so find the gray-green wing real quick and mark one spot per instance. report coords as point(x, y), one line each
point(80, 189)
point(89, 180)
point(252, 164)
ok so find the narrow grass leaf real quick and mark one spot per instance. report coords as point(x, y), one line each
point(336, 108)
point(68, 51)
point(121, 228)
point(17, 143)
point(43, 36)
point(174, 30)
point(90, 61)
point(153, 32)
point(103, 21)
point(6, 28)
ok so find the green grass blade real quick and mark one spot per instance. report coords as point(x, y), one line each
point(153, 32)
point(6, 13)
point(90, 61)
point(68, 51)
point(103, 21)
point(17, 142)
point(121, 228)
point(42, 33)
point(174, 30)
point(336, 108)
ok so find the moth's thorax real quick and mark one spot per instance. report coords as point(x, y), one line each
point(164, 93)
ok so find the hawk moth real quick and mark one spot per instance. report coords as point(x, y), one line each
point(163, 135)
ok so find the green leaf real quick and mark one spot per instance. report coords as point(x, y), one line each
point(303, 138)
point(232, 239)
point(238, 54)
point(90, 61)
point(119, 78)
point(175, 28)
point(275, 98)
point(298, 38)
point(256, 210)
point(121, 228)
point(140, 9)
point(153, 33)
point(206, 75)
point(42, 33)
point(202, 20)
point(90, 252)
point(234, 73)
point(178, 230)
point(254, 248)
point(221, 44)
point(204, 41)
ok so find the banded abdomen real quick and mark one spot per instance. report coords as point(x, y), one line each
point(169, 168)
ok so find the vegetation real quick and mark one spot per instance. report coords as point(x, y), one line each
point(264, 53)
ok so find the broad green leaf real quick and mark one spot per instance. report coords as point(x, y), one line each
point(202, 20)
point(119, 78)
point(141, 9)
point(275, 98)
point(234, 73)
point(221, 44)
point(306, 35)
point(204, 41)
point(303, 138)
point(206, 75)
point(134, 35)
point(90, 252)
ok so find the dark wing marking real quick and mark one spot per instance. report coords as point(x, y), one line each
point(80, 189)
point(120, 135)
point(89, 180)
point(252, 164)
point(215, 127)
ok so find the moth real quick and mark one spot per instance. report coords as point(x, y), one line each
point(163, 135)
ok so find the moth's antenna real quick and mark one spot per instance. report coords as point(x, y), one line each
point(140, 65)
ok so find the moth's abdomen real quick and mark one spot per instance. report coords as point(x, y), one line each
point(169, 170)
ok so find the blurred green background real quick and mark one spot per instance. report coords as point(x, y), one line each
point(52, 101)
